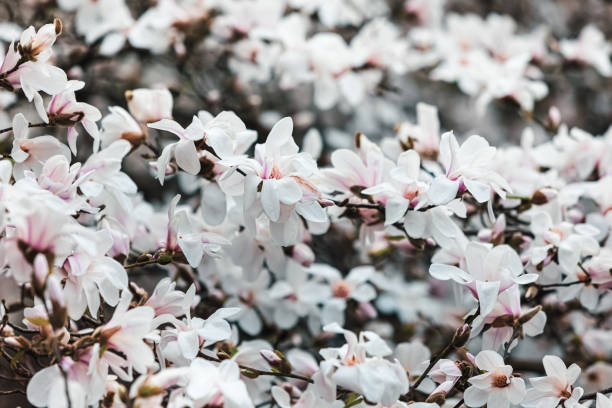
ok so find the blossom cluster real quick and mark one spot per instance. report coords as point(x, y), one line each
point(423, 269)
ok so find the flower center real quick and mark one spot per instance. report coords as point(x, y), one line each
point(500, 381)
point(341, 289)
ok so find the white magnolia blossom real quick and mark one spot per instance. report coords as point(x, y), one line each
point(191, 254)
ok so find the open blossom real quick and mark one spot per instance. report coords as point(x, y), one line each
point(31, 154)
point(591, 47)
point(190, 334)
point(497, 387)
point(486, 272)
point(359, 366)
point(467, 167)
point(26, 63)
point(555, 387)
point(217, 385)
point(63, 109)
point(505, 314)
point(184, 151)
point(124, 333)
point(90, 276)
point(149, 105)
point(353, 286)
point(279, 184)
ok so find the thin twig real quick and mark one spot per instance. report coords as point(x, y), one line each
point(261, 372)
point(30, 125)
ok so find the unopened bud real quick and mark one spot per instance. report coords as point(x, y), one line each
point(249, 373)
point(530, 314)
point(575, 216)
point(437, 398)
point(164, 258)
point(462, 335)
point(57, 23)
point(276, 360)
point(544, 195)
point(39, 275)
point(554, 117)
point(59, 312)
point(303, 254)
point(531, 292)
point(366, 311)
point(485, 235)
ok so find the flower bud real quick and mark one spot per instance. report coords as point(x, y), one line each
point(276, 360)
point(437, 398)
point(554, 117)
point(303, 254)
point(543, 195)
point(531, 292)
point(462, 335)
point(530, 314)
point(249, 373)
point(39, 276)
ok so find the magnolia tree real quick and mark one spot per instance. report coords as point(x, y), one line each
point(221, 241)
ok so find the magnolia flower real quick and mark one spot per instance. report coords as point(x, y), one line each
point(124, 333)
point(90, 275)
point(497, 387)
point(63, 109)
point(190, 334)
point(47, 388)
point(424, 136)
point(119, 124)
point(486, 272)
point(278, 184)
point(149, 105)
point(467, 167)
point(184, 151)
point(217, 385)
point(403, 190)
point(27, 63)
point(296, 296)
point(555, 387)
point(591, 47)
point(505, 314)
point(359, 366)
point(165, 299)
point(31, 154)
point(353, 286)
point(186, 236)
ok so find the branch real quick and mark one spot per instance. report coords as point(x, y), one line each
point(593, 395)
point(30, 125)
point(260, 372)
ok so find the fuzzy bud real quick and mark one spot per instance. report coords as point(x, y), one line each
point(39, 276)
point(437, 398)
point(530, 314)
point(276, 360)
point(302, 254)
point(462, 335)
